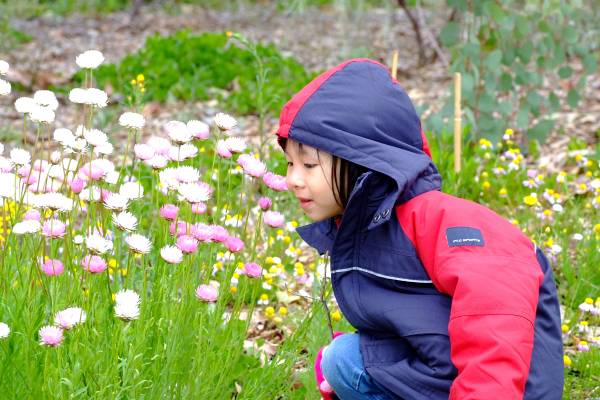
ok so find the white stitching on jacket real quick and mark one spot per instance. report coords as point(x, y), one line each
point(381, 275)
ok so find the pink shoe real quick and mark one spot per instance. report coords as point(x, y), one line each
point(325, 389)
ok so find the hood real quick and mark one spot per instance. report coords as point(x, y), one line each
point(358, 112)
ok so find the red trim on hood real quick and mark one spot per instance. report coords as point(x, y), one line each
point(292, 107)
point(425, 149)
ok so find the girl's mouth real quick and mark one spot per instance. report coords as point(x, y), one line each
point(304, 202)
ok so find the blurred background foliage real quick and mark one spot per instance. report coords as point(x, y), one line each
point(521, 61)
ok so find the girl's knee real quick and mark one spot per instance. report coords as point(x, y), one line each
point(339, 357)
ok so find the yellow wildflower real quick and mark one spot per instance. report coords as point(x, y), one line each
point(336, 315)
point(140, 78)
point(567, 361)
point(564, 328)
point(233, 289)
point(486, 185)
point(283, 311)
point(503, 192)
point(112, 263)
point(269, 312)
point(530, 200)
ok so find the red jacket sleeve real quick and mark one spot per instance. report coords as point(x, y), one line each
point(489, 269)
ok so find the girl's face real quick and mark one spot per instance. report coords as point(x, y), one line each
point(309, 178)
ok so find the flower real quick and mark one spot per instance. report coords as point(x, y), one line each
point(53, 228)
point(198, 129)
point(46, 99)
point(252, 166)
point(4, 67)
point(194, 192)
point(224, 122)
point(583, 346)
point(275, 182)
point(116, 201)
point(131, 190)
point(127, 305)
point(160, 145)
point(20, 156)
point(5, 87)
point(26, 226)
point(24, 105)
point(265, 203)
point(96, 97)
point(52, 267)
point(125, 221)
point(51, 335)
point(169, 212)
point(53, 201)
point(132, 120)
point(42, 115)
point(89, 59)
point(587, 305)
point(95, 137)
point(183, 152)
point(234, 244)
point(4, 330)
point(235, 144)
point(178, 132)
point(143, 151)
point(199, 208)
point(187, 243)
point(531, 200)
point(68, 318)
point(274, 219)
point(97, 244)
point(207, 293)
point(93, 264)
point(252, 270)
point(33, 215)
point(223, 150)
point(187, 174)
point(77, 185)
point(138, 243)
point(78, 96)
point(171, 254)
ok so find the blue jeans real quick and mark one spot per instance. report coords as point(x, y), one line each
point(343, 368)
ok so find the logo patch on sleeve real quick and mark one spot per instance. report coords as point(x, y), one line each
point(464, 236)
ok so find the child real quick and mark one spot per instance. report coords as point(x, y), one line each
point(449, 299)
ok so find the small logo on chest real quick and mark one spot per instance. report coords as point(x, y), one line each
point(464, 236)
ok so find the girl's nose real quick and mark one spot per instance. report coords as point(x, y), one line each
point(294, 178)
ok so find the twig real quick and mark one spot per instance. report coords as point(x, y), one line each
point(434, 41)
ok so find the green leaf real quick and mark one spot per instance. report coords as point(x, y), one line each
point(467, 82)
point(524, 52)
point(534, 100)
point(492, 61)
point(541, 130)
point(505, 108)
point(471, 50)
point(590, 63)
point(553, 102)
point(460, 5)
point(572, 98)
point(487, 103)
point(565, 72)
point(523, 118)
point(450, 33)
point(570, 35)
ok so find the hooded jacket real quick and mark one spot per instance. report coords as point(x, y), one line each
point(450, 299)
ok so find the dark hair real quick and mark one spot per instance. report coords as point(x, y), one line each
point(348, 172)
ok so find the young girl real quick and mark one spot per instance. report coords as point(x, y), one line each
point(449, 300)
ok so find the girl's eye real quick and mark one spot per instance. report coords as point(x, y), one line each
point(309, 166)
point(289, 164)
